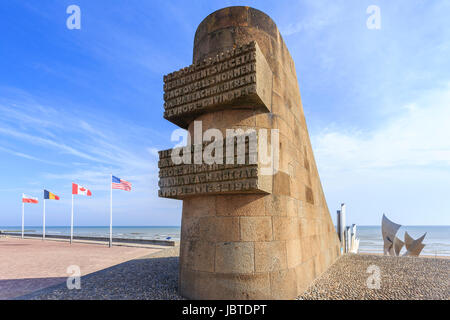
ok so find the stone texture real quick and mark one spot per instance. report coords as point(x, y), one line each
point(256, 228)
point(240, 205)
point(235, 257)
point(283, 283)
point(199, 255)
point(270, 256)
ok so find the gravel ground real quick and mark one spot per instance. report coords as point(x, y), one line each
point(156, 277)
point(402, 278)
point(152, 277)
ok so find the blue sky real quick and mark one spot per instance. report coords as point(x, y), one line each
point(76, 105)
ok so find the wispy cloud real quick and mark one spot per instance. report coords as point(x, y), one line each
point(27, 156)
point(87, 150)
point(419, 136)
point(47, 143)
point(400, 167)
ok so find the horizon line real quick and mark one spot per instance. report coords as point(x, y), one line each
point(178, 226)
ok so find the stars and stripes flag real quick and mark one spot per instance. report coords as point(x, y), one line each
point(121, 184)
point(77, 189)
point(116, 183)
point(28, 199)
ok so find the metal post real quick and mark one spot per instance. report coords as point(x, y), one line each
point(110, 215)
point(338, 224)
point(343, 225)
point(347, 239)
point(43, 223)
point(71, 223)
point(23, 216)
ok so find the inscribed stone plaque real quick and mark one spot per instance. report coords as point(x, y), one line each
point(239, 173)
point(235, 78)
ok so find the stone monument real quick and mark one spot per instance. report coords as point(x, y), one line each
point(246, 232)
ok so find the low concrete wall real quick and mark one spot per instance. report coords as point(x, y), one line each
point(170, 243)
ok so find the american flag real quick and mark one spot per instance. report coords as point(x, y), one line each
point(120, 184)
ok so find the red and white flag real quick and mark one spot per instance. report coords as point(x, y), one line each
point(27, 199)
point(77, 189)
point(121, 184)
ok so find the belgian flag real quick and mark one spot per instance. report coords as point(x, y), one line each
point(49, 195)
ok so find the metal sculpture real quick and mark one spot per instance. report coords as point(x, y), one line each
point(389, 230)
point(393, 245)
point(413, 247)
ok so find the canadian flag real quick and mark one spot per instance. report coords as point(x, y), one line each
point(77, 189)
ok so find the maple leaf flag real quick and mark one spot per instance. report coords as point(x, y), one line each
point(77, 189)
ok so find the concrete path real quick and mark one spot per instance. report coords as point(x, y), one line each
point(27, 265)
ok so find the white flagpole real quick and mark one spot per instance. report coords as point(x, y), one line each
point(71, 223)
point(23, 215)
point(43, 224)
point(110, 215)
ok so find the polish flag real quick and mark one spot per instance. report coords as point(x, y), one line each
point(27, 199)
point(77, 189)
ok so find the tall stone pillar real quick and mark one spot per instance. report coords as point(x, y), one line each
point(247, 235)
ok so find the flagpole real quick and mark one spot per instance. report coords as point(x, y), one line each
point(43, 224)
point(110, 214)
point(71, 223)
point(23, 214)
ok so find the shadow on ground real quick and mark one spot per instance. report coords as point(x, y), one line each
point(151, 277)
point(11, 288)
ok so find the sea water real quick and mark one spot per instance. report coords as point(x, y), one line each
point(129, 232)
point(437, 240)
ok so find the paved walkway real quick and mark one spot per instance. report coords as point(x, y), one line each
point(151, 277)
point(27, 265)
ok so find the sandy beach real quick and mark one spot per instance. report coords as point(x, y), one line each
point(35, 269)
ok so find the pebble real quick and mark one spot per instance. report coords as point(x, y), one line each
point(401, 278)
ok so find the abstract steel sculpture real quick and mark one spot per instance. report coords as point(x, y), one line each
point(398, 245)
point(389, 230)
point(413, 247)
point(393, 245)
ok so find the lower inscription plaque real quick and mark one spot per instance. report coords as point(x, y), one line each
point(188, 179)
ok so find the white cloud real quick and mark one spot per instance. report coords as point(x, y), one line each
point(418, 136)
point(88, 150)
point(27, 156)
point(401, 168)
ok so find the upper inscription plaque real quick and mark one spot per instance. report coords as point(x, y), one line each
point(236, 78)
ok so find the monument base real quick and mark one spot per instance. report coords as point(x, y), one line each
point(251, 247)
